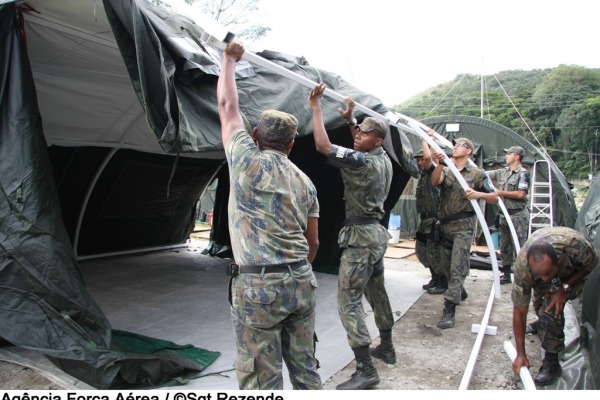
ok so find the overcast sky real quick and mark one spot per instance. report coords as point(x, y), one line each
point(394, 49)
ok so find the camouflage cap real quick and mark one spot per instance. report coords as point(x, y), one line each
point(373, 124)
point(464, 141)
point(277, 125)
point(517, 150)
point(419, 154)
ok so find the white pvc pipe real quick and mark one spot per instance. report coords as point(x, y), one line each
point(133, 251)
point(464, 383)
point(448, 144)
point(257, 60)
point(88, 195)
point(525, 375)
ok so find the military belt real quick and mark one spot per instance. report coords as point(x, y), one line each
point(456, 217)
point(422, 237)
point(360, 221)
point(235, 269)
point(428, 215)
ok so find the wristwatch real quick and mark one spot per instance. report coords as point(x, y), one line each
point(353, 122)
point(567, 288)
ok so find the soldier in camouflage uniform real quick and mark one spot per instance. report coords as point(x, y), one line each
point(512, 184)
point(428, 200)
point(273, 220)
point(367, 174)
point(553, 263)
point(457, 219)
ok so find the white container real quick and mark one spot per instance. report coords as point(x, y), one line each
point(395, 236)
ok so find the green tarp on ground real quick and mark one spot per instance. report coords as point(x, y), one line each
point(45, 305)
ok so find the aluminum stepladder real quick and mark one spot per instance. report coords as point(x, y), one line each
point(541, 215)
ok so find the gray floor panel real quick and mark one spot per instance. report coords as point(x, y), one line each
point(181, 296)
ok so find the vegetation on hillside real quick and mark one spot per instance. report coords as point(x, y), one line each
point(558, 109)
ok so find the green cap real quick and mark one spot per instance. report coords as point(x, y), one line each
point(278, 126)
point(517, 150)
point(373, 124)
point(464, 141)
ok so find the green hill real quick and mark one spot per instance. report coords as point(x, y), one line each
point(556, 108)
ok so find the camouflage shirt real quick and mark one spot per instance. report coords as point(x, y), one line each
point(427, 195)
point(367, 179)
point(428, 200)
point(453, 199)
point(511, 181)
point(269, 204)
point(577, 253)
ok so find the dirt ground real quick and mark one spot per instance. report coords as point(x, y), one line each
point(428, 358)
point(17, 377)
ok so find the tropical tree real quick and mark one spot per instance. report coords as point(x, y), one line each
point(564, 87)
point(235, 14)
point(579, 126)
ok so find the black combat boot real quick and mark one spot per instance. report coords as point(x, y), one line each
point(550, 370)
point(463, 294)
point(365, 376)
point(447, 320)
point(385, 350)
point(440, 285)
point(431, 282)
point(505, 278)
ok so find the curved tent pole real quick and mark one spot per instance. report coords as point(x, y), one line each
point(223, 37)
point(254, 59)
point(464, 384)
point(448, 144)
point(88, 194)
point(257, 60)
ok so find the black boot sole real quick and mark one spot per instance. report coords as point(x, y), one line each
point(363, 386)
point(436, 290)
point(384, 359)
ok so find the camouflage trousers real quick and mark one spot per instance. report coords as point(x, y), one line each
point(273, 318)
point(550, 329)
point(456, 247)
point(507, 249)
point(356, 277)
point(428, 254)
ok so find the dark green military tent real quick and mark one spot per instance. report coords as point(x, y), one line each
point(588, 223)
point(490, 138)
point(109, 135)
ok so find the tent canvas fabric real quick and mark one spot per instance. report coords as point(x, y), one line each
point(133, 173)
point(190, 77)
point(45, 304)
point(588, 223)
point(109, 135)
